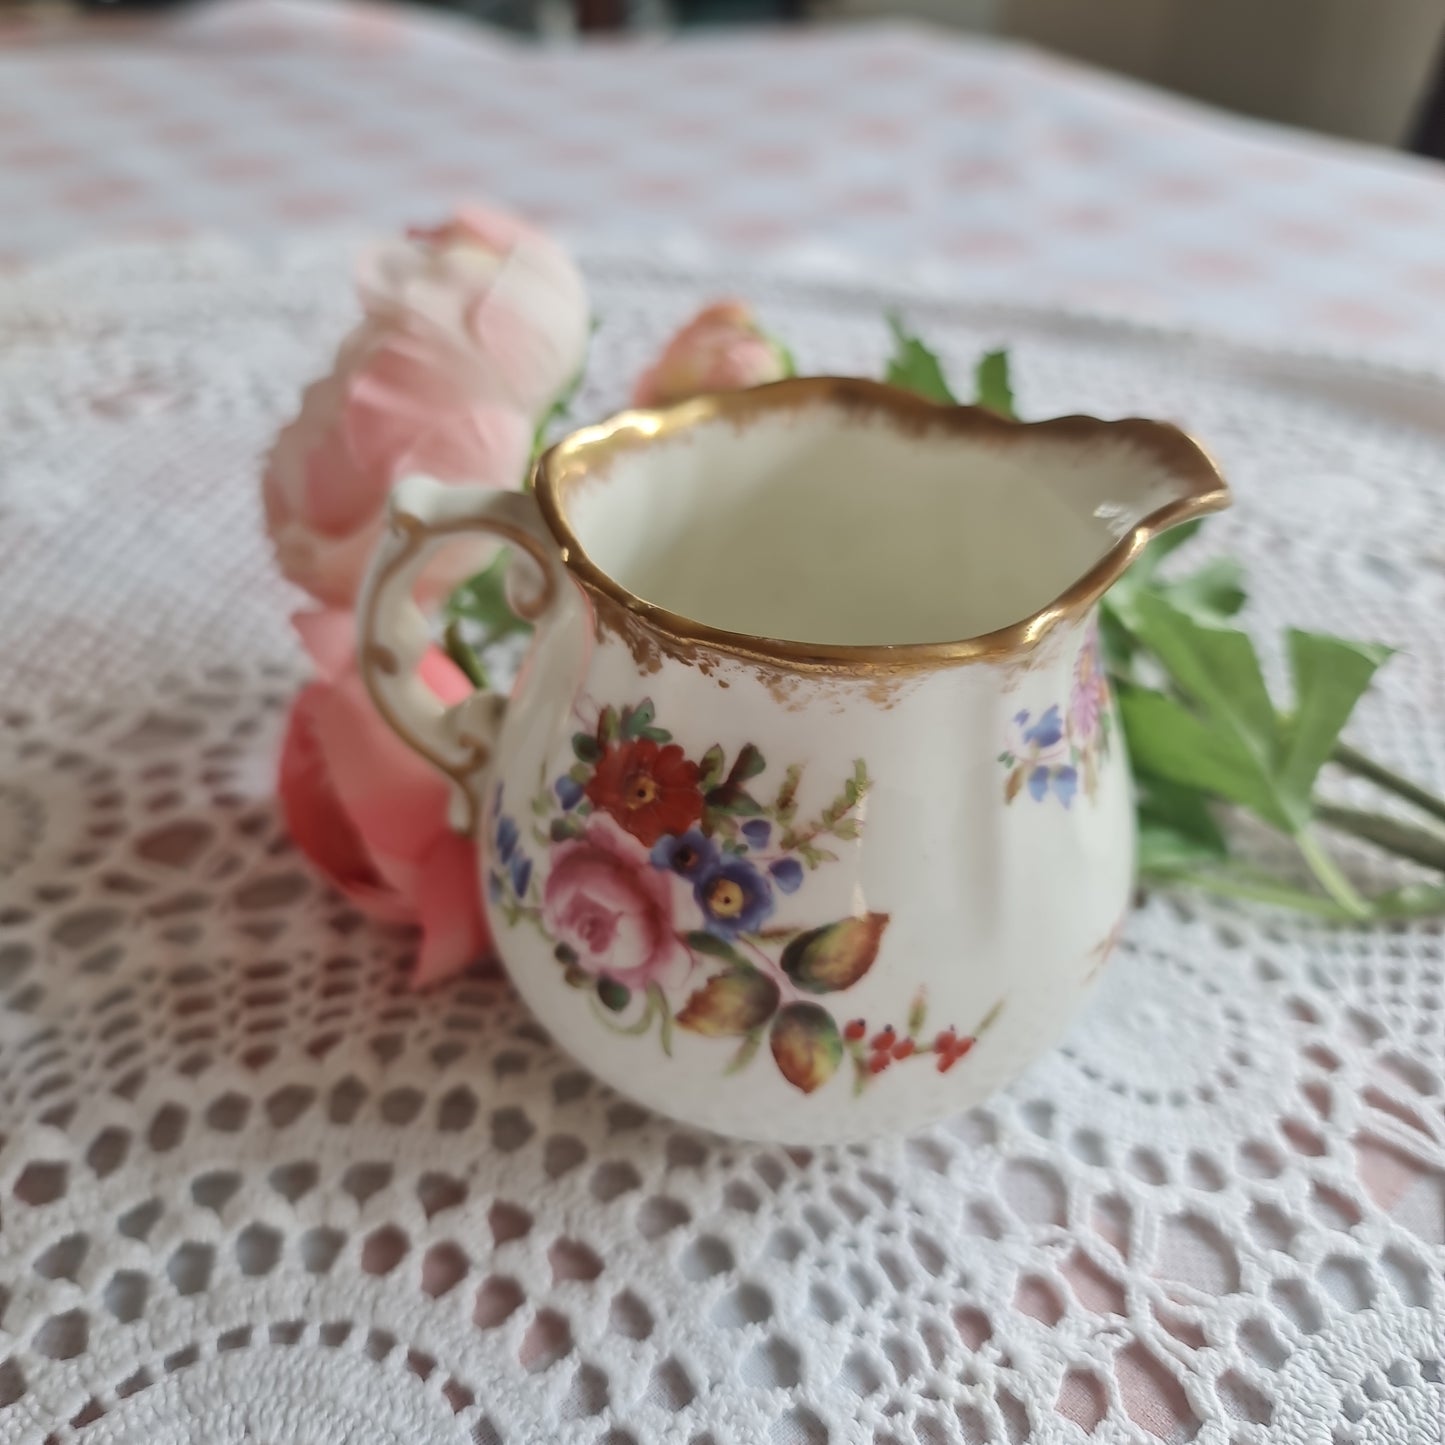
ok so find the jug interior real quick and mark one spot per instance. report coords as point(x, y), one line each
point(838, 525)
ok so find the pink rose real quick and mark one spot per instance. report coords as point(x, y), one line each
point(372, 815)
point(721, 349)
point(471, 334)
point(606, 901)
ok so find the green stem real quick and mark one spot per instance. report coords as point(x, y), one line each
point(460, 652)
point(1331, 879)
point(1420, 845)
point(1353, 761)
point(1254, 888)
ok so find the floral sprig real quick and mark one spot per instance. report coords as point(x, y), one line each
point(663, 874)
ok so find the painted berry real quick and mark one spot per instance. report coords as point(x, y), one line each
point(878, 1063)
point(902, 1048)
point(884, 1039)
point(854, 1030)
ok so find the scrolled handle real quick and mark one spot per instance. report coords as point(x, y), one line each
point(394, 632)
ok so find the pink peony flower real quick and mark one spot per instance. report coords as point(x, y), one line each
point(369, 813)
point(471, 333)
point(721, 349)
point(606, 901)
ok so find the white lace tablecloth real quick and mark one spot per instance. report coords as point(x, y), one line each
point(252, 1188)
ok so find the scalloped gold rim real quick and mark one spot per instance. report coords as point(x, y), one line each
point(586, 452)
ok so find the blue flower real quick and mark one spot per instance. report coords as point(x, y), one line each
point(494, 887)
point(734, 897)
point(787, 874)
point(1021, 717)
point(1039, 784)
point(1047, 731)
point(1066, 784)
point(757, 831)
point(691, 855)
point(506, 836)
point(568, 791)
point(521, 874)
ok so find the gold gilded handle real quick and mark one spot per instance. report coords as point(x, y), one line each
point(394, 632)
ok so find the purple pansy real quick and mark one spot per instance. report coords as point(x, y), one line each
point(757, 831)
point(690, 855)
point(734, 897)
point(568, 791)
point(1039, 784)
point(787, 874)
point(507, 835)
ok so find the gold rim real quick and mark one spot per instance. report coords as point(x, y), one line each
point(587, 453)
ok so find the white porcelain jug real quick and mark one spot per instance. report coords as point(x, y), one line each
point(808, 818)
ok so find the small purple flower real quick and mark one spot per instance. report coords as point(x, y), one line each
point(689, 856)
point(1039, 784)
point(507, 835)
point(1066, 784)
point(568, 791)
point(734, 897)
point(787, 874)
point(1020, 718)
point(521, 874)
point(757, 831)
point(1047, 731)
point(494, 887)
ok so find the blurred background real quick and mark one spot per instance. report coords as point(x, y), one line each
point(1370, 70)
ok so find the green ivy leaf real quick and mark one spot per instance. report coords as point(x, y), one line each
point(991, 378)
point(836, 956)
point(806, 1045)
point(482, 601)
point(730, 1004)
point(1176, 828)
point(914, 367)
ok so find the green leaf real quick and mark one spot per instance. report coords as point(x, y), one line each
point(614, 996)
point(917, 1013)
point(1182, 811)
point(656, 735)
point(712, 946)
point(1169, 741)
point(991, 377)
point(636, 720)
point(729, 799)
point(914, 367)
point(749, 764)
point(563, 828)
point(607, 725)
point(731, 1004)
point(1213, 592)
point(586, 747)
point(1330, 676)
point(711, 767)
point(744, 1056)
point(459, 650)
point(836, 956)
point(806, 1045)
point(786, 358)
point(785, 805)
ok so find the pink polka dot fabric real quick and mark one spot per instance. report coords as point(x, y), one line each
point(1008, 171)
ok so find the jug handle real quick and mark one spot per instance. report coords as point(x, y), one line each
point(393, 631)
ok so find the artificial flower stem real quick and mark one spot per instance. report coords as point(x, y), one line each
point(1253, 888)
point(1354, 761)
point(459, 650)
point(1330, 878)
point(1420, 845)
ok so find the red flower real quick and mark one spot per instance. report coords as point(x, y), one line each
point(649, 790)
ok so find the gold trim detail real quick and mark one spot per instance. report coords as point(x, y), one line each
point(588, 452)
point(417, 535)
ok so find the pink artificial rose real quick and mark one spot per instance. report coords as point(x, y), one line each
point(369, 813)
point(606, 901)
point(471, 333)
point(721, 349)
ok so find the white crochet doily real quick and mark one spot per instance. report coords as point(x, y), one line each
point(252, 1188)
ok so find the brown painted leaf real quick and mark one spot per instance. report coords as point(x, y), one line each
point(836, 956)
point(730, 1004)
point(806, 1045)
point(1015, 782)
